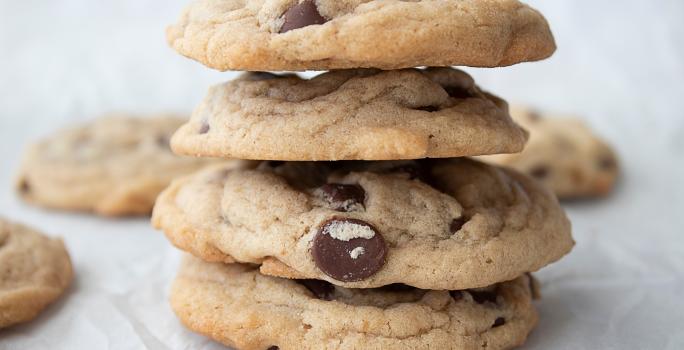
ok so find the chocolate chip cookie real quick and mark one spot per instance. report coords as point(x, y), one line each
point(115, 165)
point(241, 308)
point(34, 271)
point(433, 224)
point(339, 34)
point(564, 154)
point(350, 115)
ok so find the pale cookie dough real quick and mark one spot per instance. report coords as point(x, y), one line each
point(34, 271)
point(338, 34)
point(241, 308)
point(433, 224)
point(350, 115)
point(563, 153)
point(115, 165)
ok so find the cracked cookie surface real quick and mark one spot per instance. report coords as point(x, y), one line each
point(350, 115)
point(34, 271)
point(239, 307)
point(433, 224)
point(295, 35)
point(115, 165)
point(564, 154)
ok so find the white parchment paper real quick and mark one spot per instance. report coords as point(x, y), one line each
point(620, 64)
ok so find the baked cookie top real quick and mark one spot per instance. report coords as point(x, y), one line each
point(434, 224)
point(34, 271)
point(291, 35)
point(241, 308)
point(563, 153)
point(350, 115)
point(115, 165)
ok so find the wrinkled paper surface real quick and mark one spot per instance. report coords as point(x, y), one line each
point(619, 64)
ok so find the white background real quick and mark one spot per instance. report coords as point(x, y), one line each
point(620, 64)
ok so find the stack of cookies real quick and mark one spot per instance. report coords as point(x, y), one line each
point(363, 226)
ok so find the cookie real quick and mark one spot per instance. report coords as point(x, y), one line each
point(115, 165)
point(241, 308)
point(433, 224)
point(34, 271)
point(563, 153)
point(350, 115)
point(296, 35)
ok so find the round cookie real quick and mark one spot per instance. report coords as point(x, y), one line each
point(296, 35)
point(433, 224)
point(350, 115)
point(241, 308)
point(115, 165)
point(564, 154)
point(34, 271)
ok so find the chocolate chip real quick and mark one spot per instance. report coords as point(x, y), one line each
point(456, 294)
point(457, 92)
point(301, 15)
point(204, 128)
point(343, 197)
point(457, 224)
point(321, 289)
point(500, 321)
point(348, 250)
point(540, 172)
point(273, 348)
point(428, 108)
point(483, 296)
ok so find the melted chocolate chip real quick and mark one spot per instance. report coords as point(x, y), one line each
point(500, 321)
point(301, 15)
point(273, 348)
point(343, 197)
point(456, 294)
point(540, 172)
point(345, 250)
point(428, 108)
point(321, 289)
point(457, 92)
point(204, 128)
point(483, 296)
point(457, 224)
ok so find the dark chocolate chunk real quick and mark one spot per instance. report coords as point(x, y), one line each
point(483, 296)
point(348, 250)
point(321, 289)
point(273, 348)
point(343, 197)
point(500, 321)
point(301, 15)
